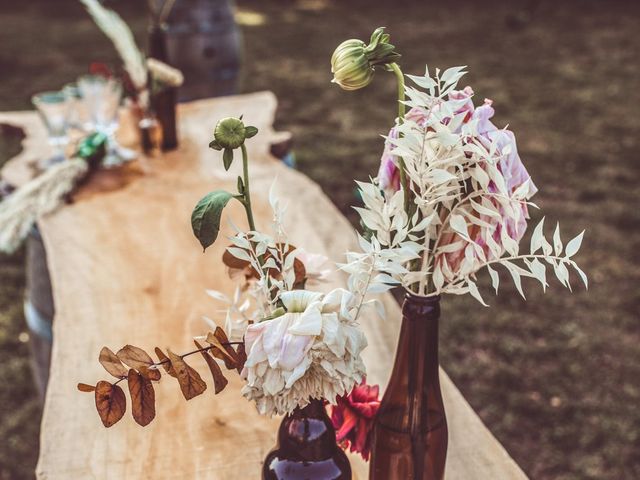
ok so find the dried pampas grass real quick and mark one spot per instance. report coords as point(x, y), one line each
point(20, 210)
point(165, 73)
point(120, 34)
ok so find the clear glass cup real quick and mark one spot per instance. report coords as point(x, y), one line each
point(101, 99)
point(53, 109)
point(78, 118)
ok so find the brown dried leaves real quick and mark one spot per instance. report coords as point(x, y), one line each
point(221, 350)
point(110, 398)
point(143, 398)
point(112, 363)
point(110, 403)
point(219, 380)
point(166, 363)
point(137, 358)
point(191, 384)
point(249, 271)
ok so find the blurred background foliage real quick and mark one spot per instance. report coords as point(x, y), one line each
point(554, 378)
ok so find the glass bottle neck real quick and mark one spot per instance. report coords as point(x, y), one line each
point(413, 392)
point(315, 409)
point(419, 332)
point(157, 39)
point(418, 352)
point(308, 433)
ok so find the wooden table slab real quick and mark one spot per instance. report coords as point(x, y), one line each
point(125, 268)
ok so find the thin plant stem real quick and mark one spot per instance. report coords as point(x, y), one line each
point(247, 193)
point(203, 349)
point(401, 113)
point(400, 79)
point(404, 181)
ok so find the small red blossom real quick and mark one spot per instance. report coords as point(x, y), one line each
point(353, 418)
point(100, 69)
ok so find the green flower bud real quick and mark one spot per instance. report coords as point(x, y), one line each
point(229, 133)
point(350, 66)
point(353, 62)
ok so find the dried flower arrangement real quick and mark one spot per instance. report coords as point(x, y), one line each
point(451, 198)
point(294, 345)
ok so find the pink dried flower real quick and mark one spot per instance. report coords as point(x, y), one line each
point(464, 96)
point(353, 418)
point(513, 170)
point(389, 173)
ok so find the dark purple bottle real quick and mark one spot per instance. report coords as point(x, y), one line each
point(307, 448)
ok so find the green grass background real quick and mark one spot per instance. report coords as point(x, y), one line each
point(554, 378)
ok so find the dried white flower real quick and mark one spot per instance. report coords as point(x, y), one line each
point(311, 351)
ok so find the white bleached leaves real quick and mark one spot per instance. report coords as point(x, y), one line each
point(467, 212)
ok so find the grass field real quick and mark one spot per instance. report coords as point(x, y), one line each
point(555, 378)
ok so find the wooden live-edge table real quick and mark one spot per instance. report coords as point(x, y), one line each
point(125, 268)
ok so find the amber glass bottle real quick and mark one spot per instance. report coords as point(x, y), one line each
point(163, 102)
point(307, 448)
point(410, 431)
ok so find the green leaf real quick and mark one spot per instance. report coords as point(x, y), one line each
point(227, 158)
point(205, 219)
point(215, 145)
point(240, 185)
point(250, 132)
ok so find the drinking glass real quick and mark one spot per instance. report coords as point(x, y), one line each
point(101, 98)
point(78, 118)
point(53, 109)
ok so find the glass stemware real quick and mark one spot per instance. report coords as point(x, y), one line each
point(101, 98)
point(78, 118)
point(53, 108)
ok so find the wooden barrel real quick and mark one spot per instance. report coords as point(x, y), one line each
point(38, 309)
point(203, 41)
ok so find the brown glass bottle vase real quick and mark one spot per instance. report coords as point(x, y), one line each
point(307, 448)
point(163, 102)
point(410, 430)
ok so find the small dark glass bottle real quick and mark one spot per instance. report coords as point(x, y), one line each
point(307, 448)
point(163, 102)
point(410, 430)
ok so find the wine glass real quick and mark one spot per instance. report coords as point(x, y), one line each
point(78, 118)
point(53, 109)
point(101, 97)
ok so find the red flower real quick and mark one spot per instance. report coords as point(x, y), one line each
point(100, 69)
point(353, 418)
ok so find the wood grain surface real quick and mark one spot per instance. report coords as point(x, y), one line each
point(126, 268)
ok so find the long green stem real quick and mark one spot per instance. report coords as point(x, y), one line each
point(247, 192)
point(401, 112)
point(400, 79)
